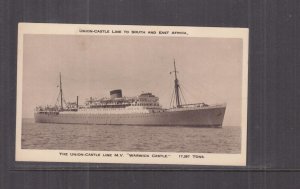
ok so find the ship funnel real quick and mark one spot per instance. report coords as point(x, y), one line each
point(116, 94)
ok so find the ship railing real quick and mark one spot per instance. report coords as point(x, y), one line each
point(46, 109)
point(196, 106)
point(202, 104)
point(47, 112)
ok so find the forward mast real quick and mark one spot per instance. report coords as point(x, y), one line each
point(176, 87)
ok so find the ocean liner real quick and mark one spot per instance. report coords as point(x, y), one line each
point(143, 109)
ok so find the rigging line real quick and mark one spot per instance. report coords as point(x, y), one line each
point(172, 97)
point(57, 99)
point(182, 95)
point(181, 91)
point(179, 97)
point(188, 92)
point(56, 102)
point(65, 102)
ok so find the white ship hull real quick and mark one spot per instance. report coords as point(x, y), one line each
point(211, 116)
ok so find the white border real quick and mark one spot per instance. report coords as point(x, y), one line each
point(91, 156)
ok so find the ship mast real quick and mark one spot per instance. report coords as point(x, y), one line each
point(178, 104)
point(60, 92)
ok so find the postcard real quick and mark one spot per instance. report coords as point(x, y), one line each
point(132, 94)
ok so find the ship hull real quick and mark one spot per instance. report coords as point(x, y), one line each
point(201, 117)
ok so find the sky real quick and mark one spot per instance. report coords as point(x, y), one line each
point(210, 69)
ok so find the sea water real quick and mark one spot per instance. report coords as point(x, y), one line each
point(130, 138)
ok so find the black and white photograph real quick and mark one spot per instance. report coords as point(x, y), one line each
point(132, 94)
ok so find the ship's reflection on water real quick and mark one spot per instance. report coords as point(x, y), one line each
point(130, 138)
